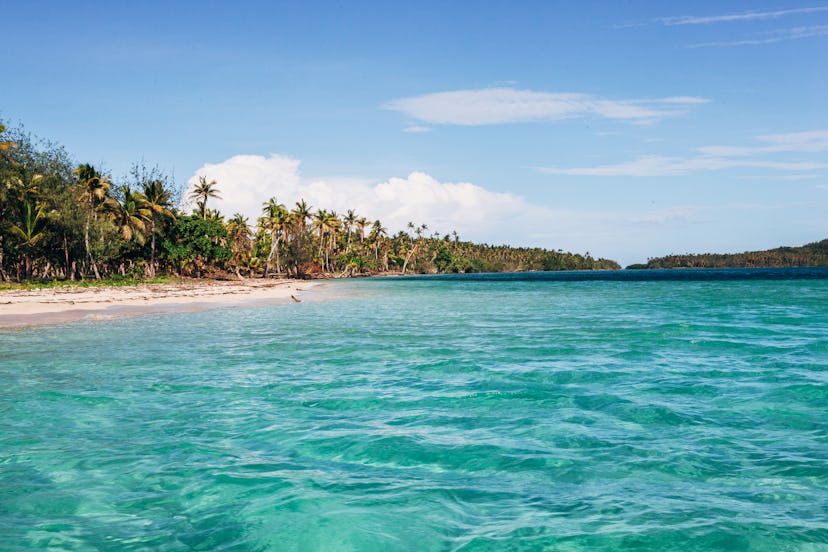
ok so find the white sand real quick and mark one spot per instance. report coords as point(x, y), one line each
point(65, 304)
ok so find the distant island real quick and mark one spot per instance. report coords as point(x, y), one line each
point(63, 221)
point(812, 254)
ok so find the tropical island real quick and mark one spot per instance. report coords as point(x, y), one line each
point(61, 221)
point(812, 254)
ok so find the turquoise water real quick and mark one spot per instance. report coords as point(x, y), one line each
point(452, 414)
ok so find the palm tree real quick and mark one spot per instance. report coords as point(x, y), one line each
point(94, 188)
point(362, 222)
point(302, 213)
point(129, 214)
point(29, 234)
point(239, 232)
point(299, 217)
point(415, 245)
point(319, 222)
point(348, 221)
point(332, 225)
point(202, 191)
point(274, 219)
point(159, 201)
point(377, 233)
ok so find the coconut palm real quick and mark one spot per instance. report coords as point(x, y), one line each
point(299, 254)
point(302, 212)
point(159, 202)
point(378, 232)
point(94, 188)
point(238, 231)
point(274, 221)
point(202, 191)
point(362, 223)
point(130, 214)
point(319, 222)
point(348, 221)
point(332, 226)
point(28, 230)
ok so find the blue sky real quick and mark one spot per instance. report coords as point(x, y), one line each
point(626, 129)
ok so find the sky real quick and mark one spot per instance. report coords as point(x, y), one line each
point(626, 129)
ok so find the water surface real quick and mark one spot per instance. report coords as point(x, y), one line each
point(464, 413)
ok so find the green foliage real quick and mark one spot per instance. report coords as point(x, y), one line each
point(64, 221)
point(194, 244)
point(812, 254)
point(115, 280)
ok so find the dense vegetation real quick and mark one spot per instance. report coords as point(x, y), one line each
point(812, 254)
point(68, 221)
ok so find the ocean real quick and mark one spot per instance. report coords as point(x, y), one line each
point(633, 410)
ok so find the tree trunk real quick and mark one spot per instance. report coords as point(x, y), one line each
point(274, 250)
point(278, 260)
point(152, 247)
point(89, 251)
point(408, 257)
point(3, 276)
point(66, 256)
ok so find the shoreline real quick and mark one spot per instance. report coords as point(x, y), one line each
point(36, 307)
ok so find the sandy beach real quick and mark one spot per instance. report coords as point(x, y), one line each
point(65, 304)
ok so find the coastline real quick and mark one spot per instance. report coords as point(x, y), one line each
point(22, 308)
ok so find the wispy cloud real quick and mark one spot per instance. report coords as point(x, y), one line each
point(490, 106)
point(787, 177)
point(654, 165)
point(417, 128)
point(811, 141)
point(770, 37)
point(743, 16)
point(714, 158)
point(667, 216)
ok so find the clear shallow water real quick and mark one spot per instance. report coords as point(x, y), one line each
point(424, 414)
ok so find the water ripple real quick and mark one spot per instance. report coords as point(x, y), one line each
point(429, 415)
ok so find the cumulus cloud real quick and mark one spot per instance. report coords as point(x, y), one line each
point(245, 181)
point(478, 214)
point(491, 106)
point(713, 158)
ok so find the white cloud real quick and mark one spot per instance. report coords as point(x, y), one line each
point(770, 37)
point(809, 141)
point(686, 215)
point(676, 166)
point(491, 106)
point(713, 158)
point(802, 142)
point(478, 214)
point(744, 16)
point(245, 181)
point(417, 128)
point(787, 177)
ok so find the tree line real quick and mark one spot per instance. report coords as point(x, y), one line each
point(64, 220)
point(812, 254)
